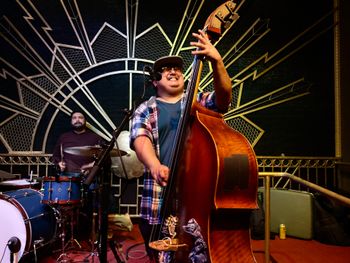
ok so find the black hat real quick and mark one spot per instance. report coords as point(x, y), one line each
point(77, 110)
point(166, 62)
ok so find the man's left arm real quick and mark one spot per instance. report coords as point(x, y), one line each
point(222, 81)
point(222, 85)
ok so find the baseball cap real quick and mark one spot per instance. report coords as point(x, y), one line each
point(166, 62)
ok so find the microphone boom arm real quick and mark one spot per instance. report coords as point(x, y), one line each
point(102, 157)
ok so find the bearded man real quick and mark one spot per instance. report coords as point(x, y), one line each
point(73, 164)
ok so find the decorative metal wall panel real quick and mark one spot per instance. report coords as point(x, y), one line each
point(57, 56)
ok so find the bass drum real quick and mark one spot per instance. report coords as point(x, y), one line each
point(24, 216)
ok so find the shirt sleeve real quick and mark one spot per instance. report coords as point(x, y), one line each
point(207, 99)
point(141, 124)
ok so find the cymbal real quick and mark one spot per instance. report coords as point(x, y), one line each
point(91, 151)
point(6, 175)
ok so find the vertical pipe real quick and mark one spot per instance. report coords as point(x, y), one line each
point(337, 91)
point(267, 219)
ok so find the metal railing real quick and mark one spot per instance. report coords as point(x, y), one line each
point(267, 176)
point(26, 163)
point(39, 165)
point(319, 170)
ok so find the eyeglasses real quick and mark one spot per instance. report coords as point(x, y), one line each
point(175, 68)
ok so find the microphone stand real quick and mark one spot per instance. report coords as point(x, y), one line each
point(102, 163)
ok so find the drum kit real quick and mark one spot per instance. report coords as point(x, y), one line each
point(36, 217)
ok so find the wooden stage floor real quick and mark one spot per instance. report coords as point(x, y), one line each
point(129, 247)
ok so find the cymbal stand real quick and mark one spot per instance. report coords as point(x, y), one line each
point(63, 256)
point(72, 240)
point(93, 240)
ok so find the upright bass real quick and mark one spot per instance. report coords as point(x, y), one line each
point(212, 187)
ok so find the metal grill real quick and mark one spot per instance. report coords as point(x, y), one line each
point(32, 100)
point(109, 45)
point(18, 133)
point(76, 58)
point(44, 83)
point(252, 133)
point(146, 43)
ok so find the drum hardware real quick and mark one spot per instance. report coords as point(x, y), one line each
point(93, 241)
point(37, 243)
point(67, 214)
point(63, 256)
point(72, 240)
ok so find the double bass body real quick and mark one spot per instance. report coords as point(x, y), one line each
point(216, 185)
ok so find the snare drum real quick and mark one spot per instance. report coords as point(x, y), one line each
point(25, 217)
point(62, 190)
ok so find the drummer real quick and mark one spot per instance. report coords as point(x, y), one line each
point(70, 164)
point(77, 164)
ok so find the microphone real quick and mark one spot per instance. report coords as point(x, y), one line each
point(14, 244)
point(157, 76)
point(153, 74)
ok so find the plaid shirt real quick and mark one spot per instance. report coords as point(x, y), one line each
point(145, 123)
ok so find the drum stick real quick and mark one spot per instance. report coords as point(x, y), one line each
point(59, 167)
point(61, 149)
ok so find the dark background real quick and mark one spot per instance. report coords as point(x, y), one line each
point(300, 127)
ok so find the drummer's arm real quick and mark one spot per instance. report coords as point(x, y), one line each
point(57, 159)
point(86, 168)
point(62, 165)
